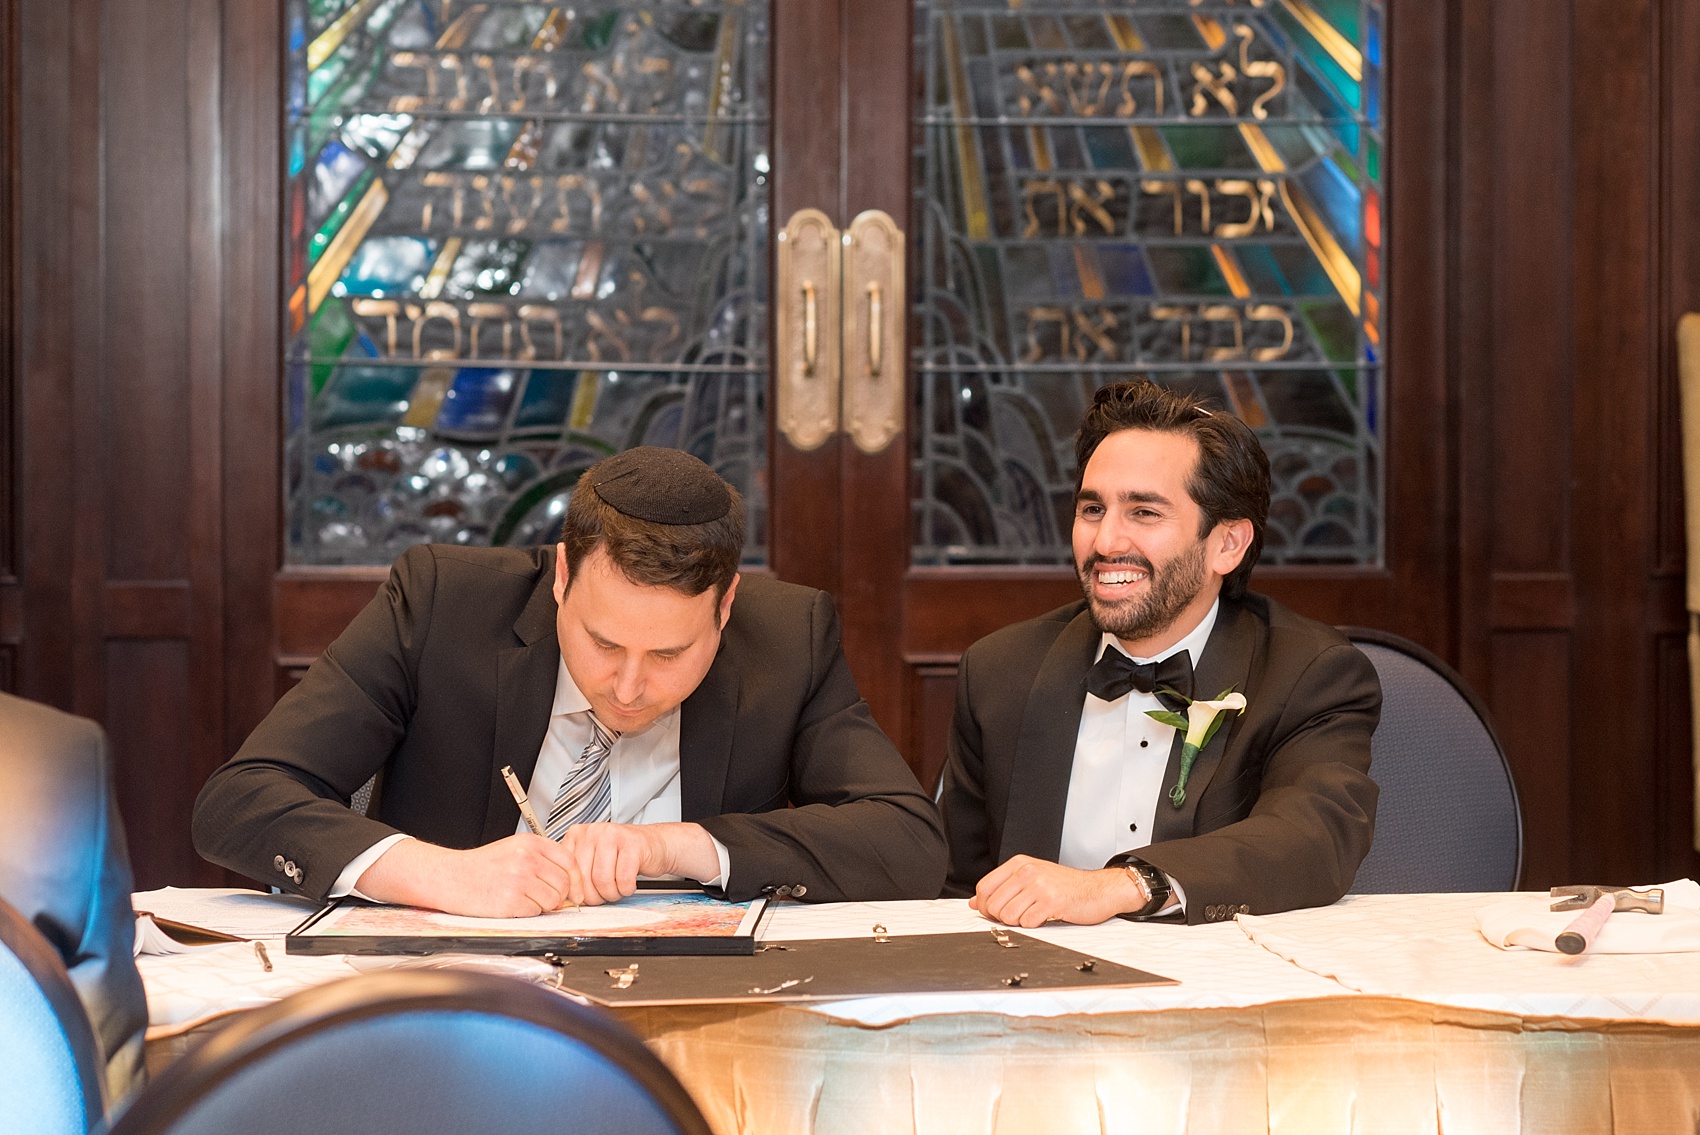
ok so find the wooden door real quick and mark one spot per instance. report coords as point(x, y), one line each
point(1096, 192)
point(517, 239)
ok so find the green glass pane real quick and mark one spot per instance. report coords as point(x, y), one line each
point(1171, 33)
point(1335, 328)
point(1187, 271)
point(1208, 147)
point(328, 338)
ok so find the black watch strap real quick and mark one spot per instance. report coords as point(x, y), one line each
point(1155, 881)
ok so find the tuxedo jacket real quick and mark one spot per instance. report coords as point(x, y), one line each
point(63, 865)
point(449, 674)
point(1279, 807)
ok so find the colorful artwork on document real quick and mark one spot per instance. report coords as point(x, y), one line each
point(659, 914)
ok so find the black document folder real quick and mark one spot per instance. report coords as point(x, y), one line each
point(836, 969)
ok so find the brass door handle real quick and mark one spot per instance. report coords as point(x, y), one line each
point(811, 330)
point(876, 329)
point(873, 266)
point(806, 356)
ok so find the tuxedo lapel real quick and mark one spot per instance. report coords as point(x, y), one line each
point(525, 693)
point(706, 723)
point(1229, 658)
point(1050, 724)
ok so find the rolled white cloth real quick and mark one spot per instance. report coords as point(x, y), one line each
point(1528, 922)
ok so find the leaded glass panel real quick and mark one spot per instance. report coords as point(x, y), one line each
point(519, 237)
point(1184, 189)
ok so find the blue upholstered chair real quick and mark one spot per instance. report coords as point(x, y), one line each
point(1448, 818)
point(49, 1061)
point(417, 1052)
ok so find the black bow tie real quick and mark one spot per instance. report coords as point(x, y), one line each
point(1113, 675)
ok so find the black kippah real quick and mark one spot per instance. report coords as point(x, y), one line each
point(662, 486)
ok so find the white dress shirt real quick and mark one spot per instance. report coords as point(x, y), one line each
point(643, 774)
point(1120, 755)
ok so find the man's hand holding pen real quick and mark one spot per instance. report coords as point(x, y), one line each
point(525, 875)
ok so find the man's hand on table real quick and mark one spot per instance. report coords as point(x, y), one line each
point(525, 875)
point(1028, 892)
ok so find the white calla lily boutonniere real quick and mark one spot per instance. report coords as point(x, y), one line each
point(1202, 720)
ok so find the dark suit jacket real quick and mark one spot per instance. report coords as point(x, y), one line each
point(64, 866)
point(449, 674)
point(1279, 808)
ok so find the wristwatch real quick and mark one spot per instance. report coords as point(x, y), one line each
point(1155, 882)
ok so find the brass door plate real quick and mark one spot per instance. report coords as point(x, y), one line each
point(806, 336)
point(875, 314)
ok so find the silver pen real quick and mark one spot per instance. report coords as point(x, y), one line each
point(524, 803)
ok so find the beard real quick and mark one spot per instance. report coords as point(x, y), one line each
point(1169, 589)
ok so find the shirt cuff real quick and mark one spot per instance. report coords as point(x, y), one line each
point(1176, 890)
point(725, 858)
point(344, 884)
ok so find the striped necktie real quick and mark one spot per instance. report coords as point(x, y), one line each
point(586, 795)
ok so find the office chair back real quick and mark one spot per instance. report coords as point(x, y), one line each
point(419, 1052)
point(1448, 818)
point(49, 1060)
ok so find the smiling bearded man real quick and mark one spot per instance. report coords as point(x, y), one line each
point(1063, 798)
point(669, 717)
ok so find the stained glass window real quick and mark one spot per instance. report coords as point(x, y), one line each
point(519, 237)
point(1188, 190)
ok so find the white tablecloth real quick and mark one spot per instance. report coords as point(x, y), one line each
point(1418, 947)
point(1427, 948)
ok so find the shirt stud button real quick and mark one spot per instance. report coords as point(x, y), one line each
point(1133, 827)
point(1144, 744)
point(278, 862)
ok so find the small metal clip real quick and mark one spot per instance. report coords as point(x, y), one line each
point(1088, 965)
point(1014, 981)
point(559, 965)
point(623, 978)
point(1001, 937)
point(766, 946)
point(881, 934)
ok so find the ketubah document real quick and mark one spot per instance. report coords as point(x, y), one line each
point(648, 922)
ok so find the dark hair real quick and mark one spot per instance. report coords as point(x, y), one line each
point(689, 558)
point(1231, 479)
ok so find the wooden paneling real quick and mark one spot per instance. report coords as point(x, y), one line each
point(932, 701)
point(1536, 734)
point(1614, 305)
point(807, 151)
point(312, 605)
point(1679, 292)
point(149, 717)
point(9, 629)
point(1575, 148)
point(121, 216)
point(250, 423)
point(154, 608)
point(1532, 600)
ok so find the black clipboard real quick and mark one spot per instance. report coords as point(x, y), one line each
point(350, 926)
point(837, 969)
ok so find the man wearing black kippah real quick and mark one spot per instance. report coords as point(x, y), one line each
point(666, 716)
point(1173, 746)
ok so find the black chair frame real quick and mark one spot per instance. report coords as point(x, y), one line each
point(42, 962)
point(1434, 662)
point(251, 1037)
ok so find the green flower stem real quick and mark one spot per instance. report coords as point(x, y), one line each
point(1177, 794)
